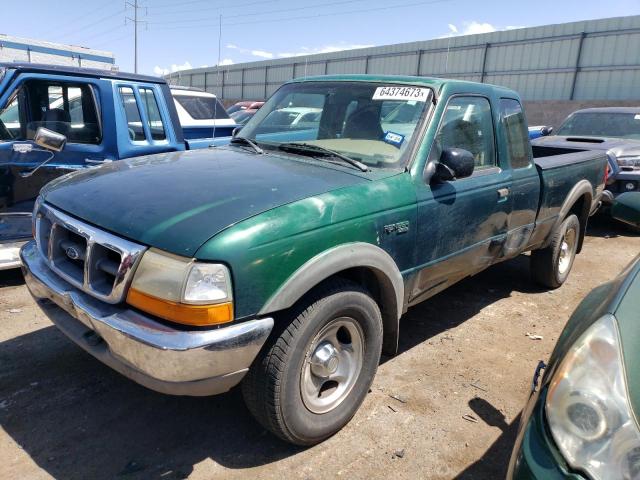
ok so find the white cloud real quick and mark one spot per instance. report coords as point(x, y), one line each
point(473, 27)
point(261, 53)
point(326, 49)
point(226, 61)
point(174, 68)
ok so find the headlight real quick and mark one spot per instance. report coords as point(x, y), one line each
point(182, 290)
point(629, 161)
point(588, 410)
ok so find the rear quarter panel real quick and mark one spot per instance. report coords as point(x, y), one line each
point(561, 173)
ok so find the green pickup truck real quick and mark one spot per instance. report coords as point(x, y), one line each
point(285, 260)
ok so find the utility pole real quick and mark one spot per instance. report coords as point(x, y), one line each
point(136, 6)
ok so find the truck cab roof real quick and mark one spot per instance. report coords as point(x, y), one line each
point(80, 71)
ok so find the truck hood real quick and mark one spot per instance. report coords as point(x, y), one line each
point(177, 201)
point(620, 147)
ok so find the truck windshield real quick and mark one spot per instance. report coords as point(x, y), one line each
point(373, 123)
point(602, 124)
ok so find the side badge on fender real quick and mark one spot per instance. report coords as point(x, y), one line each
point(400, 227)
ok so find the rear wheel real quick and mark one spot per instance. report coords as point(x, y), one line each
point(551, 266)
point(310, 380)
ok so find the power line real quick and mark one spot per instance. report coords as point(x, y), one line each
point(72, 23)
point(76, 30)
point(218, 8)
point(253, 14)
point(332, 14)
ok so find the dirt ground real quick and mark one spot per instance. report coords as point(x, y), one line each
point(465, 352)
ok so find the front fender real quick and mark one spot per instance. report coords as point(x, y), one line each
point(333, 261)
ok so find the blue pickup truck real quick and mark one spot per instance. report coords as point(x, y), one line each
point(103, 116)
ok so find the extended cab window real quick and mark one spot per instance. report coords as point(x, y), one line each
point(154, 120)
point(467, 124)
point(69, 109)
point(132, 114)
point(517, 133)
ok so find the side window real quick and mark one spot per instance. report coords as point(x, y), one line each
point(67, 108)
point(516, 132)
point(467, 123)
point(11, 120)
point(156, 127)
point(132, 114)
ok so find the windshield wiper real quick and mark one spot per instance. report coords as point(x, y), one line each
point(307, 148)
point(246, 141)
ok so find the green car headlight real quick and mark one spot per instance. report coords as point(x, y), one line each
point(588, 409)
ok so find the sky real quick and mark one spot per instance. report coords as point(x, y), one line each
point(179, 34)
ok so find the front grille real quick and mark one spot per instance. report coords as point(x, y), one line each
point(99, 263)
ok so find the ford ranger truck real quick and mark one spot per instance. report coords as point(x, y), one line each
point(285, 260)
point(97, 116)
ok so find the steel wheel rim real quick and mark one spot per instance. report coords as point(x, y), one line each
point(332, 365)
point(566, 251)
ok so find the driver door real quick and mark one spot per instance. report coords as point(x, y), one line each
point(62, 104)
point(462, 224)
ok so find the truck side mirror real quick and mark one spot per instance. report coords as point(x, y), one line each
point(49, 139)
point(454, 163)
point(545, 131)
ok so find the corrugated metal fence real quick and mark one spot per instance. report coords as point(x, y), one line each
point(589, 60)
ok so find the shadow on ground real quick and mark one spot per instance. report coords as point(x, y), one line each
point(78, 419)
point(495, 462)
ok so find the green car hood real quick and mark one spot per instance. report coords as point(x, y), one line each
point(177, 201)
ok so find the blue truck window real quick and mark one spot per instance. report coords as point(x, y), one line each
point(517, 132)
point(467, 123)
point(69, 109)
point(132, 113)
point(11, 121)
point(156, 127)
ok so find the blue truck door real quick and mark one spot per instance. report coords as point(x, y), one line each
point(462, 224)
point(65, 104)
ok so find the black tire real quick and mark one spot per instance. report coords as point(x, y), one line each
point(550, 267)
point(272, 388)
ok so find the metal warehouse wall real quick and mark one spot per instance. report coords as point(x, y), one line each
point(14, 49)
point(588, 60)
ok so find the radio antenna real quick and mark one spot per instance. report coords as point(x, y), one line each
point(215, 104)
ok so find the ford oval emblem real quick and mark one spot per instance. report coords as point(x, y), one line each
point(72, 253)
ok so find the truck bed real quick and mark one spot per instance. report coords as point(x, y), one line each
point(558, 169)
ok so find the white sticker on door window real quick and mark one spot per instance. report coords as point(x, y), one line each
point(401, 93)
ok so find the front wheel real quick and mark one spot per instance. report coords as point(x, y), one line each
point(310, 380)
point(551, 266)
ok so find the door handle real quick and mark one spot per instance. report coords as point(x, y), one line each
point(503, 193)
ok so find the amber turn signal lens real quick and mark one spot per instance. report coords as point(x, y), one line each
point(197, 315)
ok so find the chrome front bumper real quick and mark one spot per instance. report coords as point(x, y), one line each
point(153, 354)
point(10, 254)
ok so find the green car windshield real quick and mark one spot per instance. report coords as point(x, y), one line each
point(373, 123)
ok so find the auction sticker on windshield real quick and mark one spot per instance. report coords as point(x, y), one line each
point(401, 93)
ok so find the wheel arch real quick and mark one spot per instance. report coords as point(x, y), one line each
point(364, 263)
point(578, 202)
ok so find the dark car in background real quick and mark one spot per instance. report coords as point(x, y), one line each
point(615, 130)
